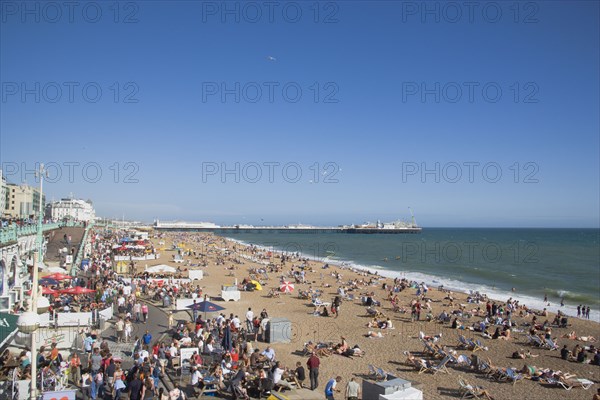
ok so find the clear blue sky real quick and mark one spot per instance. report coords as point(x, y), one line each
point(372, 58)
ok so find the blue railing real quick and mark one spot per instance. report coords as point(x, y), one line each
point(80, 252)
point(12, 233)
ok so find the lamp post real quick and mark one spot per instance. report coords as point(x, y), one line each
point(29, 321)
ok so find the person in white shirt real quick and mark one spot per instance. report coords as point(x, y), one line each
point(196, 376)
point(249, 319)
point(277, 376)
point(236, 322)
point(173, 350)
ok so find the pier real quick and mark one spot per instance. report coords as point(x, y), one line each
point(282, 229)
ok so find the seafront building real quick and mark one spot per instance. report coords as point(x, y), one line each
point(76, 209)
point(23, 201)
point(3, 194)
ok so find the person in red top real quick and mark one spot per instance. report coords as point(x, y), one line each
point(313, 370)
point(235, 357)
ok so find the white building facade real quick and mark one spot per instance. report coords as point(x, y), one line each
point(23, 201)
point(79, 210)
point(3, 194)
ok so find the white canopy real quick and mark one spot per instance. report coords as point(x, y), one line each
point(161, 269)
point(56, 269)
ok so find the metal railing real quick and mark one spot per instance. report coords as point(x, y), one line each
point(81, 251)
point(13, 232)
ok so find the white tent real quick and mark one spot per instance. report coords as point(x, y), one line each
point(161, 269)
point(57, 269)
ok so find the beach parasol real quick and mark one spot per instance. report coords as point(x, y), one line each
point(77, 290)
point(286, 287)
point(56, 269)
point(161, 269)
point(58, 276)
point(47, 290)
point(48, 282)
point(205, 307)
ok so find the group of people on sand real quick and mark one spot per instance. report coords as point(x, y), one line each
point(495, 320)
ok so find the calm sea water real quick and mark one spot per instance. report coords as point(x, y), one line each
point(558, 263)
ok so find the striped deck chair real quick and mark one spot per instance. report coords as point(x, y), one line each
point(551, 345)
point(429, 349)
point(463, 343)
point(441, 367)
point(513, 375)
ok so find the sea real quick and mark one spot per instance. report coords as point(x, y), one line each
point(562, 265)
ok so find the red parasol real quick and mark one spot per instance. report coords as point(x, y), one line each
point(58, 276)
point(47, 290)
point(77, 290)
point(286, 287)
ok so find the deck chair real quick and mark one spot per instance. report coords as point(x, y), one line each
point(483, 366)
point(513, 375)
point(569, 384)
point(530, 340)
point(463, 343)
point(420, 365)
point(551, 345)
point(429, 348)
point(500, 374)
point(469, 391)
point(441, 367)
point(478, 345)
point(472, 345)
point(537, 341)
point(317, 303)
point(374, 372)
point(463, 361)
point(381, 372)
point(441, 354)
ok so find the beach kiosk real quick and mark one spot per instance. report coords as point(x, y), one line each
point(393, 388)
point(230, 292)
point(278, 330)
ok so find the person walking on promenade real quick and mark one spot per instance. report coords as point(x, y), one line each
point(194, 312)
point(137, 310)
point(171, 320)
point(313, 370)
point(145, 312)
point(120, 327)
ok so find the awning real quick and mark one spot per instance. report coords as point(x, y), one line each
point(8, 327)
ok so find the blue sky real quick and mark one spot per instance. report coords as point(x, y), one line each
point(168, 116)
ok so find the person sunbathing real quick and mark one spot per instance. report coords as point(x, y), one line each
point(410, 359)
point(478, 391)
point(524, 354)
point(574, 336)
point(341, 347)
point(372, 334)
point(374, 323)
